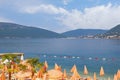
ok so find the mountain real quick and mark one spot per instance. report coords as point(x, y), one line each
point(83, 32)
point(11, 30)
point(114, 31)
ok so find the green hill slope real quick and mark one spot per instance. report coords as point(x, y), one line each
point(11, 30)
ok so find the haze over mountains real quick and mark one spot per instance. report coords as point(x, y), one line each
point(12, 30)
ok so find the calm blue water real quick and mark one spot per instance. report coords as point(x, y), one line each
point(91, 52)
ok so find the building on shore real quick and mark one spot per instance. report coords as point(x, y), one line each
point(17, 54)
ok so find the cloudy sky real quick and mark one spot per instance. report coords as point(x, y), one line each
point(62, 15)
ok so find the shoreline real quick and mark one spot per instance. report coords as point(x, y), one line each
point(48, 70)
point(90, 74)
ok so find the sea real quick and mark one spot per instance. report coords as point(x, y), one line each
point(93, 53)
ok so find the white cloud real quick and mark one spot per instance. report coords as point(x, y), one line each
point(98, 17)
point(65, 2)
point(103, 17)
point(43, 8)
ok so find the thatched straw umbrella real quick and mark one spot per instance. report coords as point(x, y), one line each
point(102, 71)
point(94, 76)
point(73, 68)
point(64, 74)
point(54, 74)
point(115, 77)
point(34, 77)
point(60, 68)
point(23, 74)
point(56, 67)
point(45, 77)
point(3, 76)
point(40, 74)
point(5, 68)
point(46, 64)
point(88, 78)
point(85, 70)
point(75, 75)
point(118, 74)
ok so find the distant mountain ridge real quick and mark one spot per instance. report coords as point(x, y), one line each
point(83, 32)
point(114, 31)
point(11, 30)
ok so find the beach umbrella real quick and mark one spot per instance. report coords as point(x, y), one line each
point(73, 68)
point(24, 62)
point(59, 68)
point(16, 67)
point(75, 75)
point(44, 69)
point(85, 70)
point(65, 74)
point(54, 74)
point(39, 74)
point(115, 77)
point(45, 77)
point(34, 78)
point(46, 64)
point(108, 78)
point(73, 78)
point(23, 74)
point(56, 66)
point(118, 74)
point(5, 68)
point(102, 71)
point(94, 76)
point(3, 76)
point(29, 67)
point(88, 78)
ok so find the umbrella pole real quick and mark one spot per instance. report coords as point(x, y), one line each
point(32, 73)
point(9, 75)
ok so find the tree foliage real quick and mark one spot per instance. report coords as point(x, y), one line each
point(35, 63)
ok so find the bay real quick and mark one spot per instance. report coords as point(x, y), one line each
point(93, 53)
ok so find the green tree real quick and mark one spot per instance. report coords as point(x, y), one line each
point(35, 63)
point(12, 58)
point(22, 67)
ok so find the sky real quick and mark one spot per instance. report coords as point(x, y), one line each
point(62, 15)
